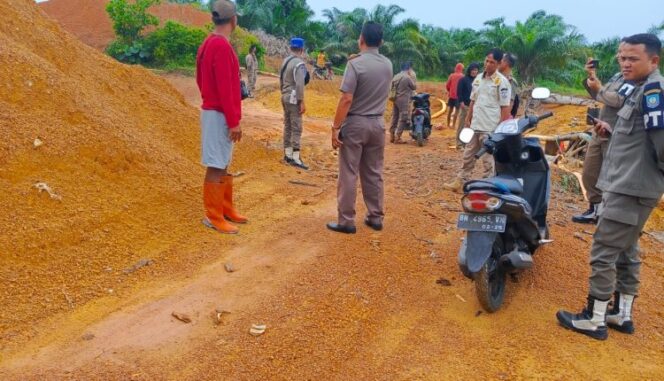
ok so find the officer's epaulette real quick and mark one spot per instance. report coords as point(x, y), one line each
point(354, 56)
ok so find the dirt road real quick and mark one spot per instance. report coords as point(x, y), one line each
point(344, 307)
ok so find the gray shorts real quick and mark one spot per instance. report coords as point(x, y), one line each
point(216, 147)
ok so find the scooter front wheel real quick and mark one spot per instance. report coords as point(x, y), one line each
point(490, 280)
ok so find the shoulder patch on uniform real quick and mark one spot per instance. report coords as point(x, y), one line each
point(653, 107)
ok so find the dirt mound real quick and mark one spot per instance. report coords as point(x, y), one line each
point(88, 20)
point(117, 146)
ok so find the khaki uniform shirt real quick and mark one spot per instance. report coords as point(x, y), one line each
point(612, 95)
point(293, 79)
point(634, 161)
point(490, 94)
point(404, 85)
point(514, 88)
point(368, 77)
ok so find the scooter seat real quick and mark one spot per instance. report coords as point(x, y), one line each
point(502, 184)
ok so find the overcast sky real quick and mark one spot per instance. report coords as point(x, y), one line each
point(596, 19)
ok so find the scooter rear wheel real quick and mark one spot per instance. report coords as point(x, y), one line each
point(420, 139)
point(490, 280)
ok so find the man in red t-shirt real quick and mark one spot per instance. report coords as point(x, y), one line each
point(453, 99)
point(218, 79)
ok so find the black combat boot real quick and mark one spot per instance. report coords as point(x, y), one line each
point(620, 316)
point(590, 216)
point(591, 321)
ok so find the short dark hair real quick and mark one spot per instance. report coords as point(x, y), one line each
point(496, 53)
point(652, 42)
point(217, 20)
point(510, 58)
point(372, 32)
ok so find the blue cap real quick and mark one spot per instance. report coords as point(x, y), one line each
point(297, 42)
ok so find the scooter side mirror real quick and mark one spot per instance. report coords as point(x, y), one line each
point(466, 135)
point(541, 93)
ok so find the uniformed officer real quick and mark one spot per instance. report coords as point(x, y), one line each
point(505, 68)
point(252, 69)
point(612, 95)
point(489, 106)
point(293, 77)
point(632, 179)
point(403, 86)
point(358, 131)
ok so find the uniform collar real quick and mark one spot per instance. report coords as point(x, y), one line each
point(495, 73)
point(371, 51)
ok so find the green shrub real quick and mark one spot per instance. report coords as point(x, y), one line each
point(175, 44)
point(242, 41)
point(131, 18)
point(136, 52)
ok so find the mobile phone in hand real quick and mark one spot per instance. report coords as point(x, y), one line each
point(594, 64)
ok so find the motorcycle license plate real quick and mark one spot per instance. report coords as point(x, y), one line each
point(482, 222)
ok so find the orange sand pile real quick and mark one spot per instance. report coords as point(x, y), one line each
point(88, 20)
point(119, 150)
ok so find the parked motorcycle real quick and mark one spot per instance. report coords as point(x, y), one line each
point(505, 215)
point(420, 118)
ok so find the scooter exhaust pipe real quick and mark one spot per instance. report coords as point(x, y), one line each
point(517, 260)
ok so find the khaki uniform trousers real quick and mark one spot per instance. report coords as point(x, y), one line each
point(292, 124)
point(461, 124)
point(614, 256)
point(362, 154)
point(592, 165)
point(251, 76)
point(469, 157)
point(400, 117)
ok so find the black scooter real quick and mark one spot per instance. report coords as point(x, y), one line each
point(420, 118)
point(505, 215)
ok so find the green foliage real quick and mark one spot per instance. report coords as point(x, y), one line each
point(131, 18)
point(242, 41)
point(175, 44)
point(136, 52)
point(570, 183)
point(281, 18)
point(172, 46)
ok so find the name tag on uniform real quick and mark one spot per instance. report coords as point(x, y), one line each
point(653, 106)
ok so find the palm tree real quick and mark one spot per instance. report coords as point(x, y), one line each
point(544, 44)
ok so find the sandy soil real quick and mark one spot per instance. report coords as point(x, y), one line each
point(337, 307)
point(91, 279)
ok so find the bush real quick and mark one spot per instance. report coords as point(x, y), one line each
point(175, 44)
point(131, 18)
point(134, 53)
point(242, 41)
